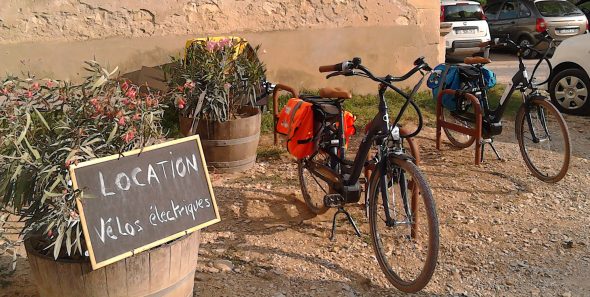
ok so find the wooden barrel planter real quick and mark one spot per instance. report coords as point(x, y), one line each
point(165, 271)
point(229, 146)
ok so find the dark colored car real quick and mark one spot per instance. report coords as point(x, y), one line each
point(523, 20)
point(584, 6)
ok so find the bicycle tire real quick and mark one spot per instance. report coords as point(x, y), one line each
point(453, 136)
point(522, 124)
point(421, 188)
point(314, 199)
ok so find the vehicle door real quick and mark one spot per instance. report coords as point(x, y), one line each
point(525, 23)
point(507, 18)
point(492, 11)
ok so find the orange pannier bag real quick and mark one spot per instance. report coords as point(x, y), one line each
point(297, 122)
point(349, 128)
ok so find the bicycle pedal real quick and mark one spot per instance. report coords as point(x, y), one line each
point(333, 200)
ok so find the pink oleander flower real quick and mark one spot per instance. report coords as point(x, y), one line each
point(227, 86)
point(49, 84)
point(211, 45)
point(181, 103)
point(131, 93)
point(125, 86)
point(127, 137)
point(225, 42)
point(189, 85)
point(121, 121)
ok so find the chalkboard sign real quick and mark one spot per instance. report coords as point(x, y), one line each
point(143, 198)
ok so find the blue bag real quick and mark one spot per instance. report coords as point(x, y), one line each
point(445, 76)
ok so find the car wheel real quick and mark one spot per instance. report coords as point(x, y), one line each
point(569, 91)
point(527, 54)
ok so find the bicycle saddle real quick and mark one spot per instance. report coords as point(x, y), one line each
point(337, 93)
point(477, 60)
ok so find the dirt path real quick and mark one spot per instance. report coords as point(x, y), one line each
point(503, 232)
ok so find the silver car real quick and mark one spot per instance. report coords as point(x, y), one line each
point(523, 20)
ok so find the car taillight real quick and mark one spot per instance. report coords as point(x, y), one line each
point(483, 16)
point(442, 13)
point(541, 25)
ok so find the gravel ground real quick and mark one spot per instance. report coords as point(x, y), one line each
point(503, 232)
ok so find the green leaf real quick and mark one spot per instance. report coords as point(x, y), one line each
point(69, 241)
point(78, 238)
point(88, 152)
point(34, 151)
point(42, 119)
point(99, 82)
point(112, 135)
point(58, 242)
point(25, 130)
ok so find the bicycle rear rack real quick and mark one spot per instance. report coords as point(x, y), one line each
point(474, 132)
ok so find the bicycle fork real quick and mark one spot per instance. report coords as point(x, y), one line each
point(541, 119)
point(398, 177)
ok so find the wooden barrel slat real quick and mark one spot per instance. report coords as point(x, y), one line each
point(117, 279)
point(175, 260)
point(159, 262)
point(49, 277)
point(229, 146)
point(185, 251)
point(166, 271)
point(95, 281)
point(139, 275)
point(71, 279)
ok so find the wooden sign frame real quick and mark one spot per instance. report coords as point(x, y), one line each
point(119, 257)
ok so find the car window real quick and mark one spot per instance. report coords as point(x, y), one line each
point(557, 8)
point(509, 10)
point(463, 12)
point(524, 11)
point(492, 10)
point(585, 7)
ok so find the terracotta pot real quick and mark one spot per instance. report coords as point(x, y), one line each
point(229, 146)
point(168, 270)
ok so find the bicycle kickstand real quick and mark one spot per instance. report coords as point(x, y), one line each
point(350, 220)
point(489, 141)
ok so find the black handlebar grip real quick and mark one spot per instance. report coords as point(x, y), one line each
point(419, 61)
point(331, 68)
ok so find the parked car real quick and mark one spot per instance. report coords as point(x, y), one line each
point(569, 83)
point(522, 20)
point(469, 27)
point(584, 6)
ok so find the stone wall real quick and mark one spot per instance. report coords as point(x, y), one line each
point(53, 37)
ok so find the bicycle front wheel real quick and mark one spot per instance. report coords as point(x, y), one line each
point(544, 140)
point(404, 225)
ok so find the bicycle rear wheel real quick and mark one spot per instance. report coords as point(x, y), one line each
point(406, 244)
point(456, 138)
point(313, 187)
point(547, 156)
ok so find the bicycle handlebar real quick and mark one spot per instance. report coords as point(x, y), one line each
point(348, 68)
